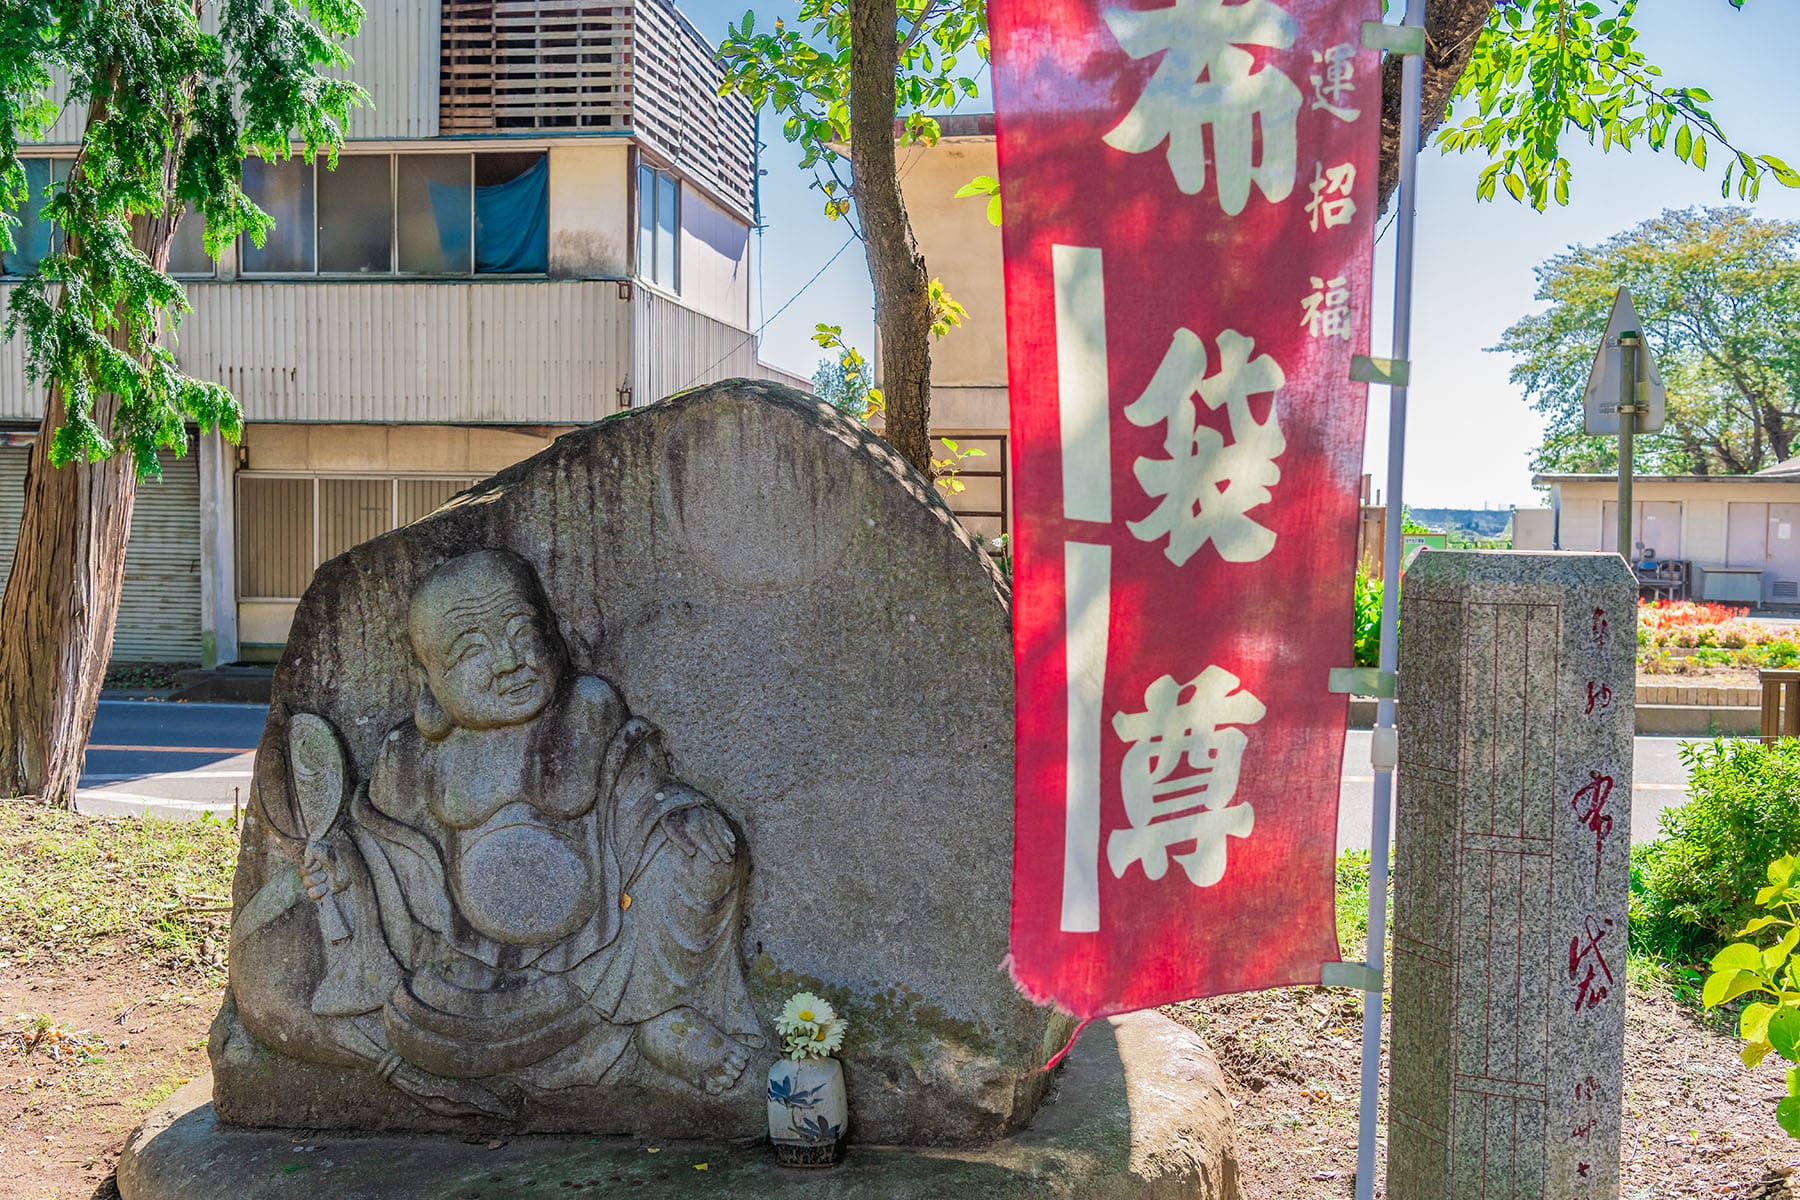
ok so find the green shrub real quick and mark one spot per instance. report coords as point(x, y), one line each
point(1697, 884)
point(1366, 632)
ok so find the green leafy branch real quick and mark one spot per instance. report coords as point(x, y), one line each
point(172, 112)
point(1541, 67)
point(802, 71)
point(984, 185)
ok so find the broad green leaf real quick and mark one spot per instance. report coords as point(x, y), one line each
point(1787, 1115)
point(1781, 871)
point(1754, 1052)
point(1756, 924)
point(1739, 956)
point(1753, 1024)
point(1777, 954)
point(1722, 987)
point(1784, 1031)
point(1781, 170)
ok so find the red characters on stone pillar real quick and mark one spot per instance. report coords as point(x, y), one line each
point(1588, 991)
point(1598, 822)
point(1599, 698)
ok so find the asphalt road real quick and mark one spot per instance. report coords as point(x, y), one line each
point(1658, 781)
point(182, 759)
point(169, 759)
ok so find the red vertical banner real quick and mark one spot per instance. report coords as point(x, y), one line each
point(1190, 197)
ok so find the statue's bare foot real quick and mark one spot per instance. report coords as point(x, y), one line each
point(688, 1046)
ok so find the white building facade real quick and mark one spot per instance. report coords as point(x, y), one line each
point(542, 218)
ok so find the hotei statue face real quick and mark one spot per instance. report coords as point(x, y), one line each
point(480, 629)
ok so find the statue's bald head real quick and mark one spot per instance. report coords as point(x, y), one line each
point(480, 627)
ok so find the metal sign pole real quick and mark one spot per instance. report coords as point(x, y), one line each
point(1628, 356)
point(1383, 741)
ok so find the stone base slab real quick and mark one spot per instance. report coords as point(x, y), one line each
point(1139, 1110)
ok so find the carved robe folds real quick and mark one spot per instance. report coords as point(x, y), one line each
point(516, 910)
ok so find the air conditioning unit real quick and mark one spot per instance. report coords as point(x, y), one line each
point(1785, 591)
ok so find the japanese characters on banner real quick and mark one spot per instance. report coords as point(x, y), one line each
point(1190, 194)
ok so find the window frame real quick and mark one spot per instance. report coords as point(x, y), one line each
point(394, 274)
point(660, 178)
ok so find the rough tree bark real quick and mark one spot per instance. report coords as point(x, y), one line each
point(62, 597)
point(897, 269)
point(1451, 27)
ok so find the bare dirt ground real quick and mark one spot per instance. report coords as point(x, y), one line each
point(1697, 1124)
point(112, 964)
point(111, 968)
point(105, 1040)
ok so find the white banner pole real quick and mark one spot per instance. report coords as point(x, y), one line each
point(1383, 741)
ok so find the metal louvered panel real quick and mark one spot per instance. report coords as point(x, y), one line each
point(678, 348)
point(394, 55)
point(19, 400)
point(677, 110)
point(159, 608)
point(517, 65)
point(550, 352)
point(13, 460)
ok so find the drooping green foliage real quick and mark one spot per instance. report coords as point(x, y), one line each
point(1718, 292)
point(802, 71)
point(1543, 68)
point(173, 109)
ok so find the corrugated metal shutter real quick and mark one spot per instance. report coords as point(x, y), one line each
point(159, 612)
point(12, 503)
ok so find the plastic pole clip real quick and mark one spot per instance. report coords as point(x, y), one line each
point(1395, 39)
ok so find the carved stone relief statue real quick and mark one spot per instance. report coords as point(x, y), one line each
point(520, 898)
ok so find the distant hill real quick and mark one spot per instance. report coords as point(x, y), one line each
point(1472, 522)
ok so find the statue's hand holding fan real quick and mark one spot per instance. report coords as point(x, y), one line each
point(317, 760)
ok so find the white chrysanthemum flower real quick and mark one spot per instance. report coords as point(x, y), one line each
point(828, 1038)
point(804, 1012)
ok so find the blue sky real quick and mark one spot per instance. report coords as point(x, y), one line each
point(1470, 432)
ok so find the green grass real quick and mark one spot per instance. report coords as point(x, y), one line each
point(1353, 903)
point(71, 885)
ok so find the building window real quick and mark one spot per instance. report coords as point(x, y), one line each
point(659, 225)
point(34, 237)
point(188, 258)
point(405, 214)
point(284, 190)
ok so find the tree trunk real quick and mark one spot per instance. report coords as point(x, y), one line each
point(897, 269)
point(62, 597)
point(1451, 27)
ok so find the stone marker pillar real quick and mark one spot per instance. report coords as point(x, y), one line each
point(1513, 829)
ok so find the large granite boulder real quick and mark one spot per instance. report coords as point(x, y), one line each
point(566, 787)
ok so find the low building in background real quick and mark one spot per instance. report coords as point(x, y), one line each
point(1738, 535)
point(543, 217)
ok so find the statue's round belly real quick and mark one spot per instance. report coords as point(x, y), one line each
point(525, 885)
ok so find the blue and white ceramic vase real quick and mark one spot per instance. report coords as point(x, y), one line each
point(809, 1112)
